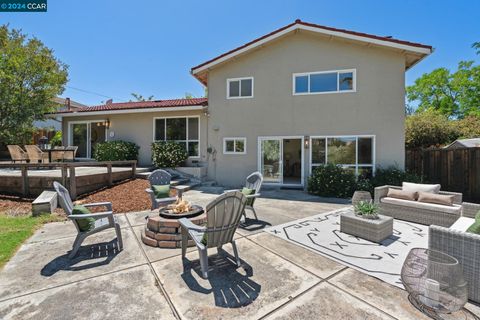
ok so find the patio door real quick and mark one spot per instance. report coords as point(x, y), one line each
point(281, 160)
point(85, 135)
point(271, 160)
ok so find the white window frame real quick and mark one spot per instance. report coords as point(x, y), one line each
point(239, 87)
point(356, 165)
point(354, 86)
point(186, 140)
point(89, 124)
point(235, 139)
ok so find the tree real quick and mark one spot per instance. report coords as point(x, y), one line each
point(468, 127)
point(138, 97)
point(455, 95)
point(429, 129)
point(30, 77)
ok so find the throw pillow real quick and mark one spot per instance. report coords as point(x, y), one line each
point(428, 197)
point(247, 191)
point(161, 191)
point(86, 224)
point(402, 194)
point(475, 227)
point(418, 187)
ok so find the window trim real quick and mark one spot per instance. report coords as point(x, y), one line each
point(239, 87)
point(187, 140)
point(225, 139)
point(354, 87)
point(356, 165)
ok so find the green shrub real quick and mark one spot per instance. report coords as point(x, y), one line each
point(393, 176)
point(335, 181)
point(56, 139)
point(168, 154)
point(332, 181)
point(115, 151)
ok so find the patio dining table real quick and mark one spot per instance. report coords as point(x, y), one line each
point(50, 151)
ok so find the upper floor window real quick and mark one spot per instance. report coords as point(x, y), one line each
point(324, 82)
point(240, 88)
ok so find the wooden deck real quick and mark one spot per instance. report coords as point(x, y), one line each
point(31, 179)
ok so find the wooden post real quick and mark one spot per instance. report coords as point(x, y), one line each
point(134, 169)
point(64, 175)
point(25, 186)
point(73, 183)
point(109, 174)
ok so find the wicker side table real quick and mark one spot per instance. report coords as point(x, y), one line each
point(375, 230)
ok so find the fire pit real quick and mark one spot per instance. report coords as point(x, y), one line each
point(164, 230)
point(170, 214)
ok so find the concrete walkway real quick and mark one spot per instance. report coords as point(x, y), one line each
point(278, 280)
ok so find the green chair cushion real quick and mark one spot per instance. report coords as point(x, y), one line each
point(475, 227)
point(161, 191)
point(86, 224)
point(204, 239)
point(247, 191)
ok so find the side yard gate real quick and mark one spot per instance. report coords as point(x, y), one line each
point(456, 169)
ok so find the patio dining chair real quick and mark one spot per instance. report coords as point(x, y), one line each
point(70, 155)
point(35, 154)
point(103, 220)
point(17, 153)
point(253, 182)
point(159, 178)
point(223, 218)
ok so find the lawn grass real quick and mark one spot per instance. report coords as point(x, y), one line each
point(15, 230)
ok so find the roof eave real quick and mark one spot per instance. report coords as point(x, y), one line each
point(130, 110)
point(414, 48)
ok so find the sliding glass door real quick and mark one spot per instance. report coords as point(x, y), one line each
point(85, 135)
point(271, 160)
point(79, 138)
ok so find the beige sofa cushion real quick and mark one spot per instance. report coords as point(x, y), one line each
point(428, 197)
point(418, 187)
point(462, 224)
point(455, 209)
point(401, 194)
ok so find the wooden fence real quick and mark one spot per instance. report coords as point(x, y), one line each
point(456, 169)
point(27, 185)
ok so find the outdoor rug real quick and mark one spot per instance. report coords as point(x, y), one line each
point(321, 234)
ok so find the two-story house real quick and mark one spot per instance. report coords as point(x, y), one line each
point(298, 97)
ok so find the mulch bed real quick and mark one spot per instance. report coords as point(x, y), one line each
point(125, 197)
point(17, 206)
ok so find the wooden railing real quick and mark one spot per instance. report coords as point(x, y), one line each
point(68, 172)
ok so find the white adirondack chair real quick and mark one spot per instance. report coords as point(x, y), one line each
point(223, 218)
point(103, 220)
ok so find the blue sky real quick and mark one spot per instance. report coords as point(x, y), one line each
point(118, 47)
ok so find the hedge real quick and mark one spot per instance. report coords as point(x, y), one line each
point(115, 151)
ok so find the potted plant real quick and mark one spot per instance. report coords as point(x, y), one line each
point(366, 210)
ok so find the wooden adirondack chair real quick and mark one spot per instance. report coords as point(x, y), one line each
point(223, 218)
point(103, 220)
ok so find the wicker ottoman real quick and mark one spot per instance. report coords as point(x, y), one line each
point(375, 230)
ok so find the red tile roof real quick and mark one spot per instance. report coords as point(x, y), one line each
point(299, 22)
point(143, 105)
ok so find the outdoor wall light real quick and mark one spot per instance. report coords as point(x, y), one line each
point(107, 124)
point(306, 142)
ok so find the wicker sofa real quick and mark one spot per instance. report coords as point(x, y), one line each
point(418, 212)
point(462, 245)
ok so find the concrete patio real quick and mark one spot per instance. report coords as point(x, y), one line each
point(278, 280)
